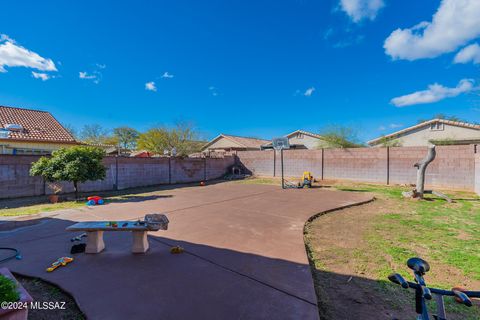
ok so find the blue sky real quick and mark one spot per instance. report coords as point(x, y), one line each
point(254, 68)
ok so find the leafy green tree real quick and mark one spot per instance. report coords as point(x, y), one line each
point(126, 137)
point(339, 137)
point(75, 164)
point(94, 134)
point(183, 137)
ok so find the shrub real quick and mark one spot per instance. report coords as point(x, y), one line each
point(8, 290)
point(75, 164)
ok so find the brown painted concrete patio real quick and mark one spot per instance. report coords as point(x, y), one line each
point(245, 256)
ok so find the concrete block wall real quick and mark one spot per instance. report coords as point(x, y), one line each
point(122, 173)
point(188, 171)
point(15, 180)
point(258, 162)
point(360, 164)
point(454, 166)
point(139, 172)
point(215, 167)
point(477, 173)
point(298, 161)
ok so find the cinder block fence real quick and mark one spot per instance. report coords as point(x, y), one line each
point(455, 167)
point(122, 173)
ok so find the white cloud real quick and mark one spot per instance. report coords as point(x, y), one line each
point(95, 76)
point(167, 75)
point(468, 54)
point(434, 93)
point(358, 10)
point(382, 128)
point(150, 86)
point(309, 92)
point(14, 55)
point(101, 65)
point(85, 75)
point(455, 23)
point(40, 75)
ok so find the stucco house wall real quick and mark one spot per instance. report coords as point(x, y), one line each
point(8, 147)
point(422, 135)
point(303, 139)
point(223, 143)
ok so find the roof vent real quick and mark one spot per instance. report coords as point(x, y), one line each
point(13, 127)
point(4, 133)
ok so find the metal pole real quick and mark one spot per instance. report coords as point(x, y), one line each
point(169, 170)
point(388, 165)
point(116, 173)
point(274, 161)
point(205, 169)
point(281, 156)
point(323, 160)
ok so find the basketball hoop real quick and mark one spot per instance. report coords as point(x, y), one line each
point(280, 143)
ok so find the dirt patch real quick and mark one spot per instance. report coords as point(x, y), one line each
point(45, 292)
point(345, 290)
point(346, 268)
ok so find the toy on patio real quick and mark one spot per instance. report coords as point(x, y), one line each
point(306, 182)
point(63, 261)
point(176, 249)
point(95, 200)
point(113, 224)
point(79, 237)
point(202, 183)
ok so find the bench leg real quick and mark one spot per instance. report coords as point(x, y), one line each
point(140, 242)
point(95, 242)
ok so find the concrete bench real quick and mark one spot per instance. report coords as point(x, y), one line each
point(95, 230)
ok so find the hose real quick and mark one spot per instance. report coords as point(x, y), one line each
point(16, 254)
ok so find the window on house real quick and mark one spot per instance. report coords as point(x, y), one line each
point(300, 135)
point(31, 152)
point(436, 126)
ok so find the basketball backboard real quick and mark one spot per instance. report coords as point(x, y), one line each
point(280, 143)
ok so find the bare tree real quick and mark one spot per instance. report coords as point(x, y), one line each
point(183, 137)
point(421, 166)
point(339, 137)
point(94, 134)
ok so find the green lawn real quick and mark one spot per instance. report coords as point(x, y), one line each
point(22, 207)
point(447, 235)
point(38, 208)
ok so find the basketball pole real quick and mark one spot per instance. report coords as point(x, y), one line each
point(281, 160)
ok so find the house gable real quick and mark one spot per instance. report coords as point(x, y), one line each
point(434, 131)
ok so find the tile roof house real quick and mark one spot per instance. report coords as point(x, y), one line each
point(224, 142)
point(435, 131)
point(25, 131)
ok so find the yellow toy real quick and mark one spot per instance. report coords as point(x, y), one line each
point(60, 262)
point(176, 249)
point(307, 179)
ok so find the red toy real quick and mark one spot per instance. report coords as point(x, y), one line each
point(94, 200)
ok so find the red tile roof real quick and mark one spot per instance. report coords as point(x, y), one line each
point(37, 126)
